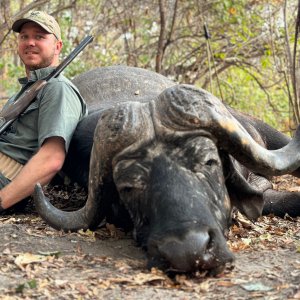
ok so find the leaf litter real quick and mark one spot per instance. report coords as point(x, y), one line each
point(38, 262)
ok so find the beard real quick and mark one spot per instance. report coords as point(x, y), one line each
point(43, 64)
point(43, 61)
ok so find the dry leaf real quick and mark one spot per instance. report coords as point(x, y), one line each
point(90, 235)
point(225, 283)
point(139, 279)
point(28, 258)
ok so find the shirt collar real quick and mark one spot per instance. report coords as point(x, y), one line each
point(36, 75)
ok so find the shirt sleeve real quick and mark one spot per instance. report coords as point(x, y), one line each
point(60, 110)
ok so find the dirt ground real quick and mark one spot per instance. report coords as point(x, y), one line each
point(38, 262)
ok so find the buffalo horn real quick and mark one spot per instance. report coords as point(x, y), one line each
point(119, 128)
point(186, 108)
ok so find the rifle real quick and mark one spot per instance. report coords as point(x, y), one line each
point(11, 112)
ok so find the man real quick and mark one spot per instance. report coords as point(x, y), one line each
point(33, 149)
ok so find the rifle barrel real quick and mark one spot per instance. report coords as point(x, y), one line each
point(11, 112)
point(70, 57)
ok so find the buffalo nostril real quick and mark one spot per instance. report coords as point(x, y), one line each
point(210, 243)
point(196, 250)
point(189, 253)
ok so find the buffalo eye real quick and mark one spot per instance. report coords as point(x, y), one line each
point(126, 189)
point(211, 162)
point(130, 176)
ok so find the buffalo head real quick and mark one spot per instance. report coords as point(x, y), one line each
point(170, 163)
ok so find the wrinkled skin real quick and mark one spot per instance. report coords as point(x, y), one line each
point(178, 218)
point(166, 160)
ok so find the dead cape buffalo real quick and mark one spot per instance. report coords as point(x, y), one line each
point(171, 161)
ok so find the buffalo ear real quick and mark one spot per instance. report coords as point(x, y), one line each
point(246, 196)
point(249, 203)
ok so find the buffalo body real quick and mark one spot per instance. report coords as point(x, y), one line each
point(171, 161)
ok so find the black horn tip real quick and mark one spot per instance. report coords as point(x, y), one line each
point(38, 194)
point(41, 202)
point(38, 188)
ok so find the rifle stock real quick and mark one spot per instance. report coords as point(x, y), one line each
point(11, 112)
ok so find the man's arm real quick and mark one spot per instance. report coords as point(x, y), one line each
point(42, 167)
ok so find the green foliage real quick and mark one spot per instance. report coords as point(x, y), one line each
point(31, 284)
point(242, 92)
point(248, 42)
point(13, 71)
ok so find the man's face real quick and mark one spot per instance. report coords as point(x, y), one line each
point(37, 48)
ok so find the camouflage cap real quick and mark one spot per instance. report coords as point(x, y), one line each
point(41, 18)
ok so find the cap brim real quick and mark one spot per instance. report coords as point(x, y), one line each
point(17, 25)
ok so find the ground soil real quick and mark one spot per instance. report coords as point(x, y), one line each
point(38, 262)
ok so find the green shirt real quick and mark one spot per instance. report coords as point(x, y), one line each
point(56, 111)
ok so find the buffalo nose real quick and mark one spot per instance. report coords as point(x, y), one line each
point(195, 251)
